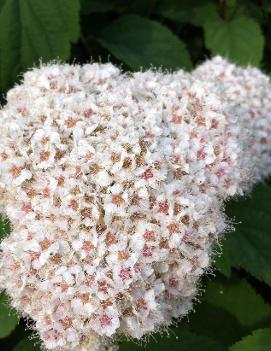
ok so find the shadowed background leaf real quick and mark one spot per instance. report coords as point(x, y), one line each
point(142, 43)
point(260, 340)
point(249, 246)
point(32, 30)
point(8, 318)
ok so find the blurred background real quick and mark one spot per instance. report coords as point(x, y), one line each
point(235, 310)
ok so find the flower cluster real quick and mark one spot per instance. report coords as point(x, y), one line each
point(114, 186)
point(246, 95)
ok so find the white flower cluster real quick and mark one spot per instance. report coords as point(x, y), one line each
point(246, 94)
point(114, 185)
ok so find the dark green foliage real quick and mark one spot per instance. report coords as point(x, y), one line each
point(249, 247)
point(8, 318)
point(26, 344)
point(260, 340)
point(32, 30)
point(235, 311)
point(139, 41)
point(178, 340)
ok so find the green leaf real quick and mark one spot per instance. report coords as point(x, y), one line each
point(215, 323)
point(26, 345)
point(179, 11)
point(260, 340)
point(206, 12)
point(4, 227)
point(239, 39)
point(140, 42)
point(222, 262)
point(250, 244)
point(240, 299)
point(185, 341)
point(8, 318)
point(30, 30)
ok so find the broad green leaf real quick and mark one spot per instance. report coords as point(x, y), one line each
point(260, 340)
point(26, 344)
point(222, 262)
point(185, 341)
point(205, 12)
point(239, 39)
point(8, 318)
point(31, 30)
point(188, 11)
point(215, 323)
point(140, 42)
point(179, 11)
point(240, 299)
point(250, 244)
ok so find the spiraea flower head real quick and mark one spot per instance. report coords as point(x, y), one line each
point(245, 94)
point(114, 186)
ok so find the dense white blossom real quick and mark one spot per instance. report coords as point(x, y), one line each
point(114, 186)
point(246, 97)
